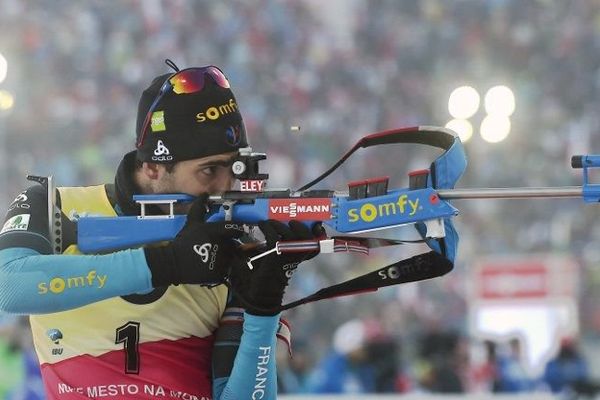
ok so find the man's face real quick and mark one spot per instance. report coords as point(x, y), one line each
point(210, 175)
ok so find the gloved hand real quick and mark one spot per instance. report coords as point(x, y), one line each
point(201, 252)
point(263, 287)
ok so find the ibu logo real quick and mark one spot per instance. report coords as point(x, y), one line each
point(55, 336)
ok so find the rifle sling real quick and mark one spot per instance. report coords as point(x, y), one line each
point(417, 268)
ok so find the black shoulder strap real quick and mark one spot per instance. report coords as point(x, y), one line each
point(420, 267)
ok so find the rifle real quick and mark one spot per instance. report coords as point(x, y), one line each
point(368, 206)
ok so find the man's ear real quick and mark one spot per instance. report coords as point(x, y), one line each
point(152, 170)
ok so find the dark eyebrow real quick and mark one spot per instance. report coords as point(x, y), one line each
point(223, 163)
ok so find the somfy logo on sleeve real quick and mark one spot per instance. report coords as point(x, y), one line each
point(17, 223)
point(161, 153)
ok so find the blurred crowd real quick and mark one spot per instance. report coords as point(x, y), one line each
point(338, 70)
point(364, 359)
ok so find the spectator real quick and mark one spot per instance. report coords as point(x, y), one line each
point(346, 369)
point(19, 368)
point(567, 369)
point(440, 354)
point(384, 356)
point(484, 374)
point(293, 369)
point(511, 375)
point(11, 359)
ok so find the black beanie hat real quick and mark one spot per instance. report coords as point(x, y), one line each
point(188, 126)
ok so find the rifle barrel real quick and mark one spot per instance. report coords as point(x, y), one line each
point(512, 192)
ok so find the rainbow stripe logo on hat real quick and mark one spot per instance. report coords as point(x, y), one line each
point(157, 122)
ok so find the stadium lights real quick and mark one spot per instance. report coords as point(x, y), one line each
point(462, 127)
point(499, 100)
point(499, 105)
point(463, 102)
point(3, 67)
point(6, 100)
point(495, 128)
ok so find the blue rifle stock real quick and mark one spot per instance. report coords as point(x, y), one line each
point(345, 215)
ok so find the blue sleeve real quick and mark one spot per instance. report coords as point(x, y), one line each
point(254, 374)
point(31, 283)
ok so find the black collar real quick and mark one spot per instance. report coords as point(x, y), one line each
point(121, 194)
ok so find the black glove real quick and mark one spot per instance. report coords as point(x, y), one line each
point(261, 289)
point(201, 252)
